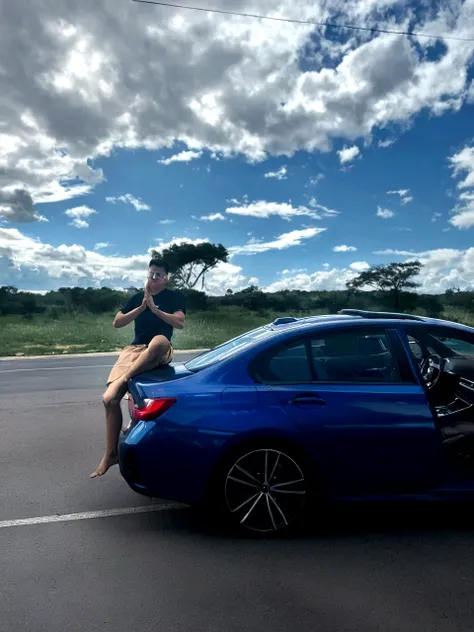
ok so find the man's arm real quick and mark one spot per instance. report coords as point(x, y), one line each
point(176, 320)
point(122, 320)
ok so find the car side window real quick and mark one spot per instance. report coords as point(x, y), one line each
point(354, 356)
point(458, 345)
point(284, 365)
point(446, 343)
point(344, 356)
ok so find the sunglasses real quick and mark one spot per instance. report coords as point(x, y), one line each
point(157, 275)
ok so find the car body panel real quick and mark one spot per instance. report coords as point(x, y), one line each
point(365, 440)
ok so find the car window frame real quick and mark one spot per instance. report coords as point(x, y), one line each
point(395, 347)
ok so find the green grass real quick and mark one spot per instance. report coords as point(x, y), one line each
point(88, 333)
point(458, 315)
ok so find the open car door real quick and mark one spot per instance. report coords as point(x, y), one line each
point(444, 359)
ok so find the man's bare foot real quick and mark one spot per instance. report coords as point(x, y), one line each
point(107, 462)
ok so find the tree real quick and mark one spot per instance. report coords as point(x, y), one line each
point(7, 299)
point(189, 263)
point(394, 277)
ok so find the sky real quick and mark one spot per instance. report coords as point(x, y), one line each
point(310, 153)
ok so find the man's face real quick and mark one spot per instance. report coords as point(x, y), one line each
point(157, 278)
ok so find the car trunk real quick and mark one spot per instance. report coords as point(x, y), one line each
point(142, 386)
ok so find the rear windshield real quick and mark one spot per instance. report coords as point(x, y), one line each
point(227, 349)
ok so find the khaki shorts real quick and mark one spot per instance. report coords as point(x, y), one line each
point(127, 357)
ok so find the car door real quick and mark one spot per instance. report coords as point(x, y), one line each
point(359, 409)
point(448, 342)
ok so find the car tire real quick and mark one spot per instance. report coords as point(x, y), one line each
point(264, 488)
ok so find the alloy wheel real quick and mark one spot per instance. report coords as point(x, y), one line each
point(265, 490)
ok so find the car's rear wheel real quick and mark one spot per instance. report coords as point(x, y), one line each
point(264, 488)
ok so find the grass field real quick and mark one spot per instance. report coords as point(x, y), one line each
point(88, 333)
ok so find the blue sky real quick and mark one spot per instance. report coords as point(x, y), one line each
point(363, 155)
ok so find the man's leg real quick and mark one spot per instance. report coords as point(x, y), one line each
point(113, 419)
point(153, 356)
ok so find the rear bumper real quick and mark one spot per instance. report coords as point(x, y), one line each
point(159, 462)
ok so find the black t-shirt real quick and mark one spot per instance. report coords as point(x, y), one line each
point(147, 324)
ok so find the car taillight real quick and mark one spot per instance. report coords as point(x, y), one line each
point(152, 408)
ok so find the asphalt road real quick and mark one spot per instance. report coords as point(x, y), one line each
point(359, 569)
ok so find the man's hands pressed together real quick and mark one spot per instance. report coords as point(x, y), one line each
point(149, 299)
point(176, 320)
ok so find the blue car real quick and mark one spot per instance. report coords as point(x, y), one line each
point(353, 406)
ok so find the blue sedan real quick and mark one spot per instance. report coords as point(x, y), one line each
point(353, 406)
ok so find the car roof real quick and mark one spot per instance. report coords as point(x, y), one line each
point(359, 317)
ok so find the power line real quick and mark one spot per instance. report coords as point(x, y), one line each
point(350, 27)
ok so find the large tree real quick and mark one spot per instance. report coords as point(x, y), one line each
point(189, 263)
point(394, 277)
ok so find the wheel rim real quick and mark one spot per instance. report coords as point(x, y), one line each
point(265, 490)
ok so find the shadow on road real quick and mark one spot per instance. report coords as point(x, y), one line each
point(338, 523)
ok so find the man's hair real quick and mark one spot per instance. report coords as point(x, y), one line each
point(160, 263)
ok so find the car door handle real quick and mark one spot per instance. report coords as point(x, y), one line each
point(307, 399)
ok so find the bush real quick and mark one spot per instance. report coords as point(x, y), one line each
point(195, 300)
point(56, 312)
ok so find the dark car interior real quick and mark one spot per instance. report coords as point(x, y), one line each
point(336, 358)
point(364, 358)
point(448, 375)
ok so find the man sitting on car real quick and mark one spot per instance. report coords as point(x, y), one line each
point(156, 311)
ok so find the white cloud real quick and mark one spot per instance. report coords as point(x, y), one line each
point(287, 240)
point(464, 219)
point(403, 194)
point(263, 210)
point(167, 222)
point(314, 180)
point(30, 263)
point(462, 164)
point(384, 213)
point(97, 88)
point(326, 279)
point(324, 210)
point(348, 154)
point(344, 248)
point(392, 251)
point(227, 276)
point(161, 244)
point(293, 271)
point(101, 245)
point(278, 175)
point(442, 269)
point(79, 214)
point(183, 156)
point(388, 142)
point(212, 218)
point(359, 266)
point(400, 192)
point(128, 198)
point(16, 205)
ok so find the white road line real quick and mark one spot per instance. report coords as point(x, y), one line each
point(88, 515)
point(58, 368)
